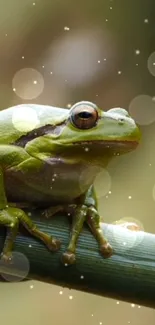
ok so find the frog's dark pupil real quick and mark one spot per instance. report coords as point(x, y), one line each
point(85, 115)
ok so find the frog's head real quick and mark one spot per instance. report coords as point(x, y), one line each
point(88, 126)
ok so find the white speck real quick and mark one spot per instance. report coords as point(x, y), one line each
point(31, 286)
point(68, 214)
point(149, 164)
point(53, 179)
point(109, 192)
point(105, 59)
point(100, 323)
point(99, 61)
point(61, 292)
point(66, 28)
point(30, 246)
point(23, 57)
point(69, 105)
point(124, 243)
point(43, 66)
point(132, 305)
point(154, 63)
point(139, 306)
point(129, 322)
point(117, 302)
point(70, 297)
point(66, 80)
point(55, 175)
point(82, 277)
point(119, 72)
point(35, 82)
point(106, 196)
point(66, 264)
point(51, 72)
point(129, 197)
point(14, 89)
point(110, 8)
point(137, 52)
point(51, 187)
point(6, 34)
point(96, 95)
point(146, 21)
point(106, 20)
point(34, 3)
point(137, 64)
point(92, 315)
point(86, 149)
point(29, 214)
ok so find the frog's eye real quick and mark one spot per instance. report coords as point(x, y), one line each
point(84, 115)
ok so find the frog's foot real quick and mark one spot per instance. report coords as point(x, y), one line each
point(6, 258)
point(53, 244)
point(68, 258)
point(106, 250)
point(93, 221)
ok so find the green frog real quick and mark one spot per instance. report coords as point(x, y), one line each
point(50, 161)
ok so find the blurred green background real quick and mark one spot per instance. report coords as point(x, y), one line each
point(57, 52)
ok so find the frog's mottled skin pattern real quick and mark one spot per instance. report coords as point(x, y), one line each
point(54, 166)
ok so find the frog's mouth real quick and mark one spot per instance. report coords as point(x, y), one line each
point(119, 146)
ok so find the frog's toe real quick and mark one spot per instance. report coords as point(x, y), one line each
point(6, 258)
point(54, 244)
point(106, 250)
point(68, 258)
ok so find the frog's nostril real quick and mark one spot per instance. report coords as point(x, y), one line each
point(121, 121)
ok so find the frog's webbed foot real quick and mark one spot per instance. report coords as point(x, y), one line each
point(11, 217)
point(89, 214)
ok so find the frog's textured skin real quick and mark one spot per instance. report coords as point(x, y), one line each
point(53, 166)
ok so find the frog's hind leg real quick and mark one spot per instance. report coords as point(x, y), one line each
point(11, 218)
point(12, 224)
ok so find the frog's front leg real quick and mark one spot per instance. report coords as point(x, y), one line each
point(86, 212)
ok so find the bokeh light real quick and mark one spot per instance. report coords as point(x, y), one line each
point(24, 118)
point(28, 83)
point(151, 64)
point(142, 109)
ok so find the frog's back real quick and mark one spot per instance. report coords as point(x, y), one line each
point(19, 120)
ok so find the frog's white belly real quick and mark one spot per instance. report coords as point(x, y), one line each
point(53, 183)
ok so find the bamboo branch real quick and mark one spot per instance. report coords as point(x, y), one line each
point(129, 275)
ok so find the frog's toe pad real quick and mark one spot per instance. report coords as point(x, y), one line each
point(68, 258)
point(106, 250)
point(6, 258)
point(54, 245)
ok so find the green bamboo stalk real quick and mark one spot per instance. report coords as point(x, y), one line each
point(129, 275)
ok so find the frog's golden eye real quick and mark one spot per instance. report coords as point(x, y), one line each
point(84, 115)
